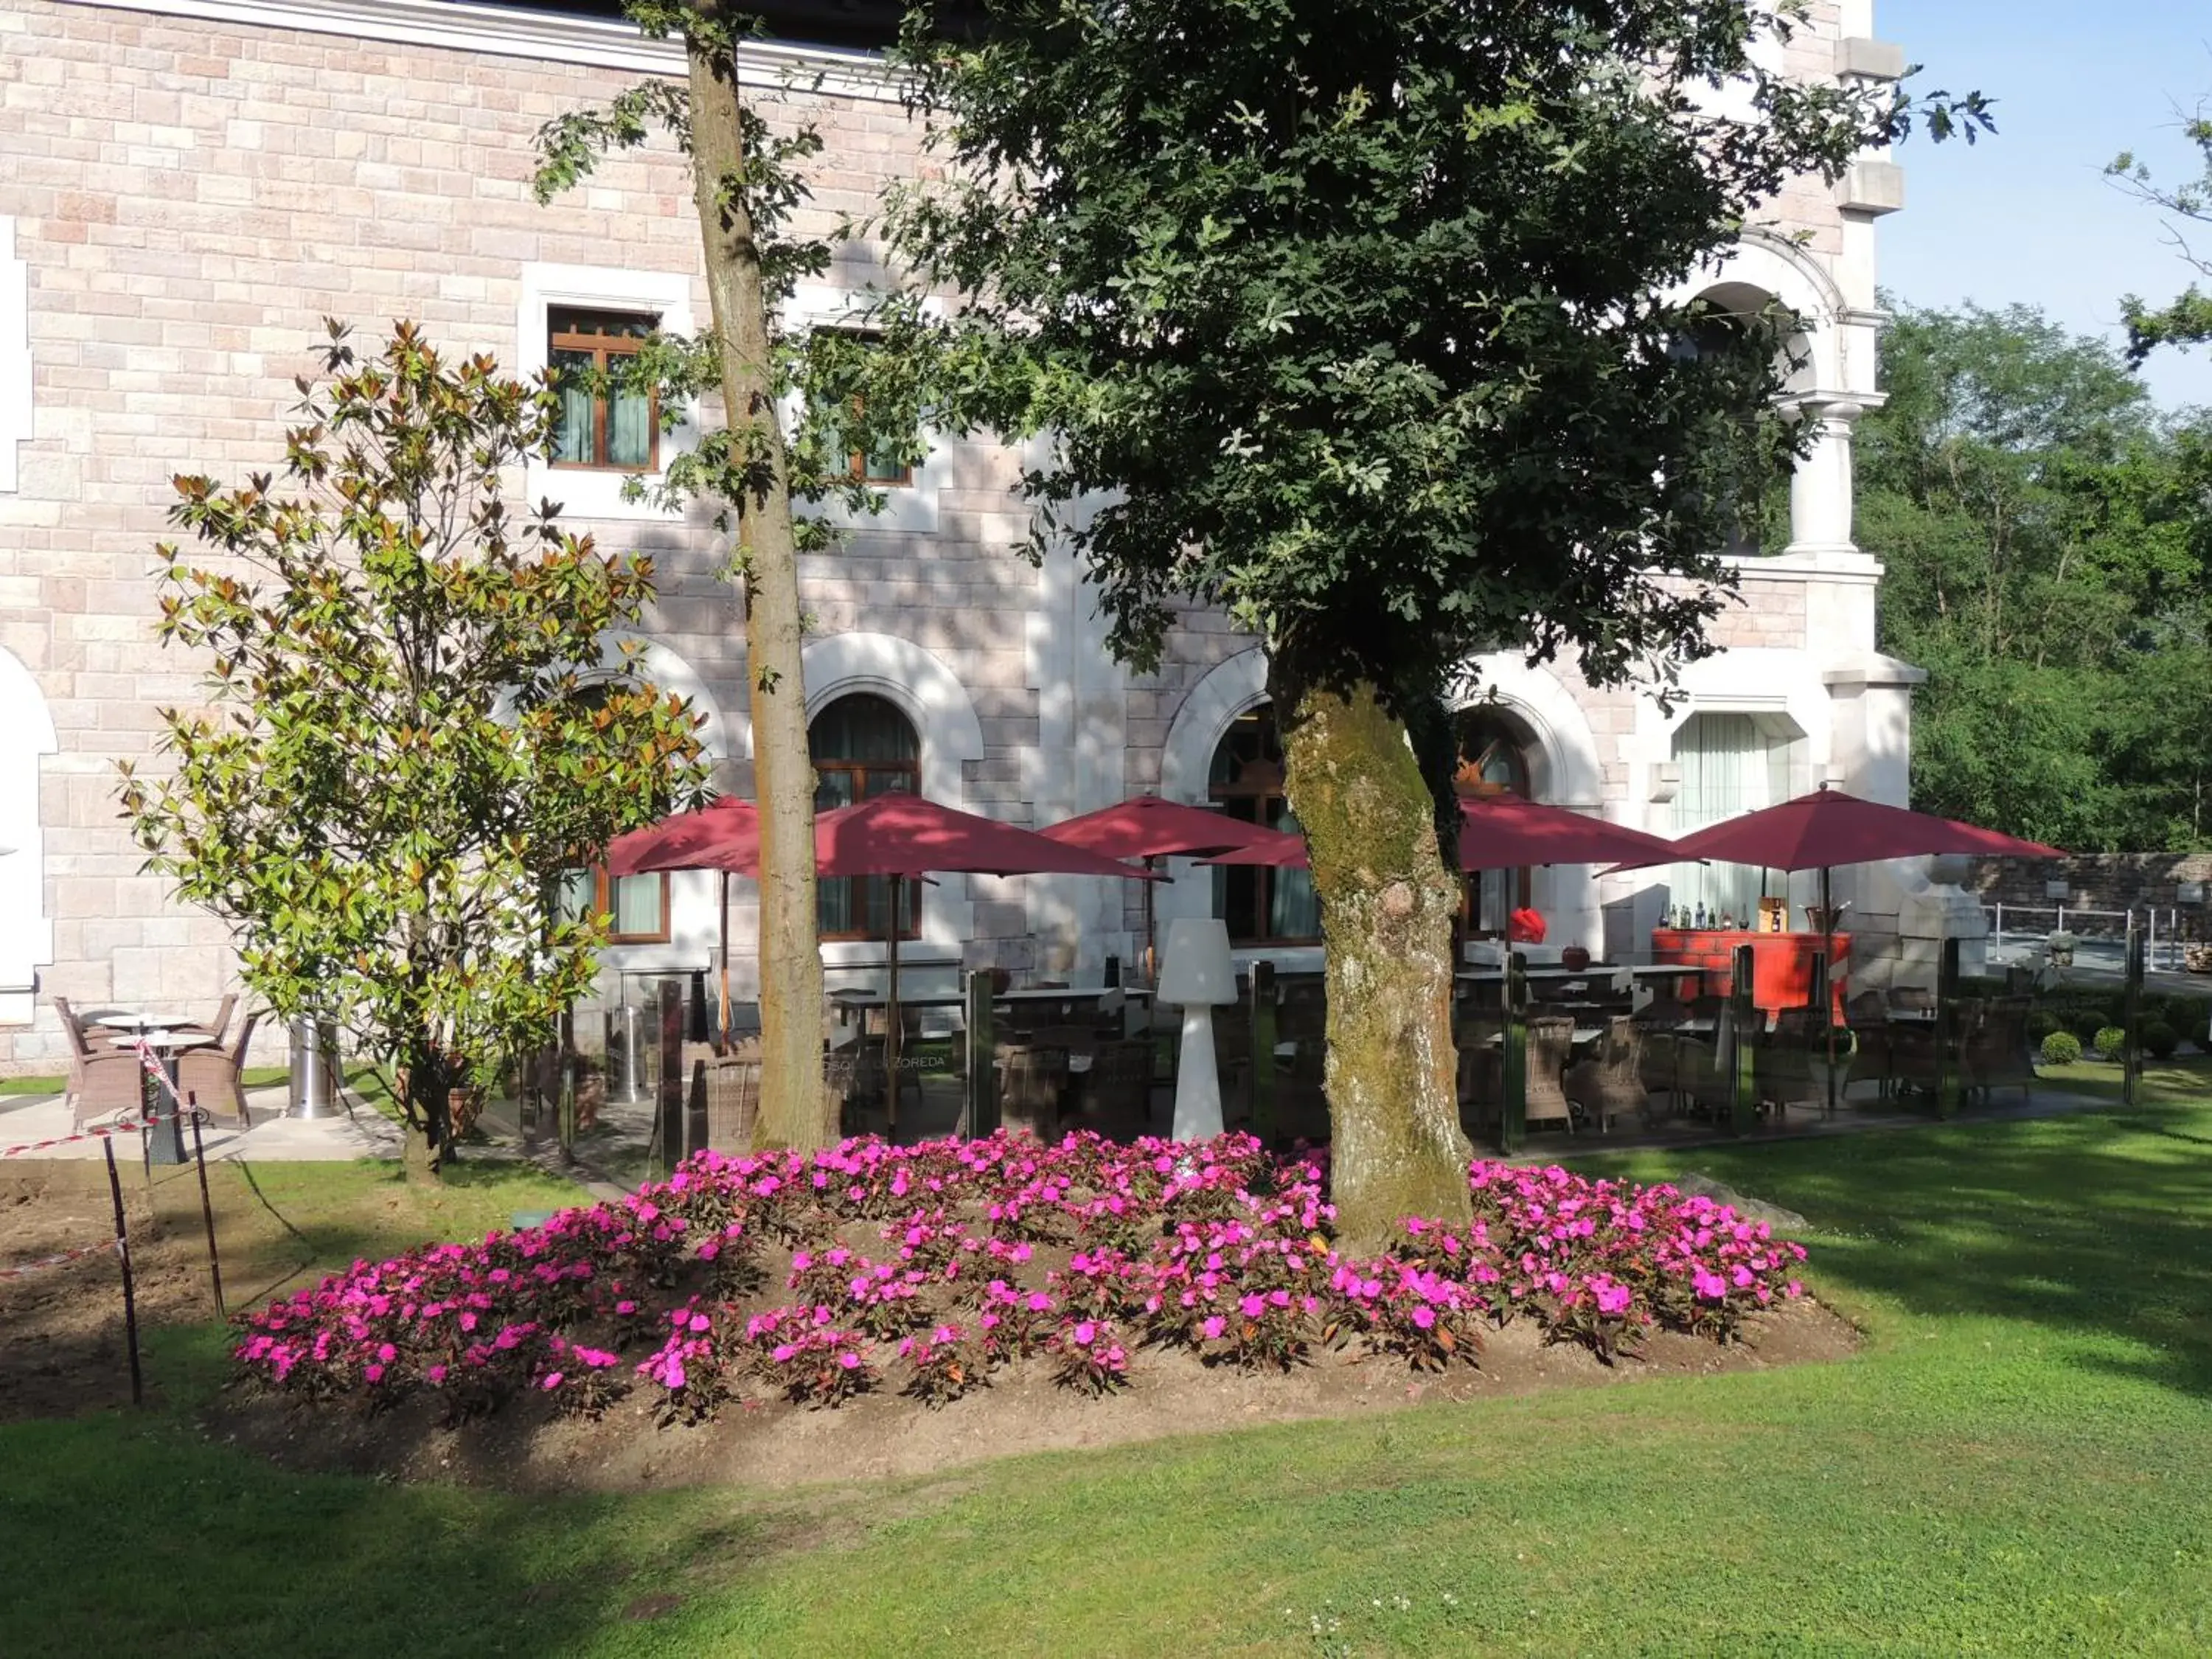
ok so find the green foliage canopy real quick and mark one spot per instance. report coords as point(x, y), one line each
point(411, 737)
point(2049, 554)
point(1365, 322)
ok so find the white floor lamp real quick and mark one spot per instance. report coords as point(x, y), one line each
point(1195, 972)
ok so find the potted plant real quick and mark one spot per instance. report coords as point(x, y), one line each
point(2061, 946)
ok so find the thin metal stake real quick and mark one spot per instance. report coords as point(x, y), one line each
point(129, 1291)
point(207, 1209)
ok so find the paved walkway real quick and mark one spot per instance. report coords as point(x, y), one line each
point(363, 1132)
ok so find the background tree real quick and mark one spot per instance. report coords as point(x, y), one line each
point(2187, 320)
point(856, 393)
point(1355, 319)
point(2045, 539)
point(413, 737)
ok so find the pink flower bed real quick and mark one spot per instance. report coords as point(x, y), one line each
point(819, 1277)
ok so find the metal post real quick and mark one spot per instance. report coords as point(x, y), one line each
point(668, 1103)
point(129, 1291)
point(2131, 1017)
point(979, 1113)
point(2000, 924)
point(1947, 1034)
point(1261, 1005)
point(2150, 945)
point(1513, 1110)
point(207, 1215)
point(1824, 999)
point(1743, 1053)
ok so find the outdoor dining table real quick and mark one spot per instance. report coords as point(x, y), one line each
point(164, 1034)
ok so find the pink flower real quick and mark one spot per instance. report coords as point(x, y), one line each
point(1084, 1332)
point(1252, 1306)
point(1215, 1324)
point(552, 1380)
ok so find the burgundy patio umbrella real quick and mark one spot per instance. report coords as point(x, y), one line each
point(1148, 828)
point(1505, 831)
point(904, 836)
point(1829, 826)
point(723, 835)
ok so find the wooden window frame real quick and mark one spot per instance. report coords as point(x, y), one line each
point(603, 346)
point(1267, 799)
point(1467, 781)
point(603, 904)
point(909, 772)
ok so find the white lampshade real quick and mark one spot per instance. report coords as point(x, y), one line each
point(1195, 964)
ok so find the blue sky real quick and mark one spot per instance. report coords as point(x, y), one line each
point(2026, 216)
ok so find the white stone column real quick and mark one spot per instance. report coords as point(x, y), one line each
point(1820, 487)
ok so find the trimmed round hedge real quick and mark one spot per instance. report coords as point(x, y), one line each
point(2061, 1049)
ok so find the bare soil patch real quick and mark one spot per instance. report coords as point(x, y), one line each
point(527, 1446)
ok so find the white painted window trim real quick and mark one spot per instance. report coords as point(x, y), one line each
point(27, 932)
point(910, 508)
point(594, 494)
point(917, 682)
point(17, 421)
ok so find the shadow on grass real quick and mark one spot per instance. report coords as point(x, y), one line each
point(2098, 1223)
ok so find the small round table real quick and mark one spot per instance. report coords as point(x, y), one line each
point(161, 1033)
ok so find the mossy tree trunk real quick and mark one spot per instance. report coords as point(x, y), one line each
point(794, 1108)
point(1387, 905)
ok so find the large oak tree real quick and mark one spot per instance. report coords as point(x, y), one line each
point(1363, 320)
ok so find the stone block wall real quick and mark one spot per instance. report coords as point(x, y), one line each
point(189, 195)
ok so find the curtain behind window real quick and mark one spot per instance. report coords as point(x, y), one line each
point(1728, 767)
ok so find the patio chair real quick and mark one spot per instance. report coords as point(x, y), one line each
point(217, 1027)
point(1031, 1079)
point(1114, 1098)
point(1912, 1000)
point(214, 1077)
point(1481, 1080)
point(1788, 1063)
point(1551, 1043)
point(1995, 1052)
point(72, 1020)
point(839, 1070)
point(1610, 1084)
point(726, 1096)
point(102, 1080)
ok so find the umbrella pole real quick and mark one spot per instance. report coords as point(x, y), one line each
point(1151, 951)
point(891, 1021)
point(1828, 981)
point(722, 1028)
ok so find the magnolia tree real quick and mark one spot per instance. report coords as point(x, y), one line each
point(856, 392)
point(411, 736)
point(1361, 322)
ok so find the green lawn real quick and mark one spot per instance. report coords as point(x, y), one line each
point(2017, 1464)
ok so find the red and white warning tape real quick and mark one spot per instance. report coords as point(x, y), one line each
point(98, 1132)
point(23, 1267)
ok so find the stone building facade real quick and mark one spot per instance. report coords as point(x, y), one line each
point(191, 186)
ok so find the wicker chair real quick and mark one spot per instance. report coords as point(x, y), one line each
point(1031, 1079)
point(1114, 1097)
point(215, 1078)
point(220, 1025)
point(102, 1081)
point(1660, 1068)
point(1551, 1042)
point(1610, 1084)
point(725, 1102)
point(1789, 1062)
point(1481, 1074)
point(1995, 1053)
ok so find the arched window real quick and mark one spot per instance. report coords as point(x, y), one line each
point(863, 747)
point(1731, 763)
point(1491, 761)
point(1261, 906)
